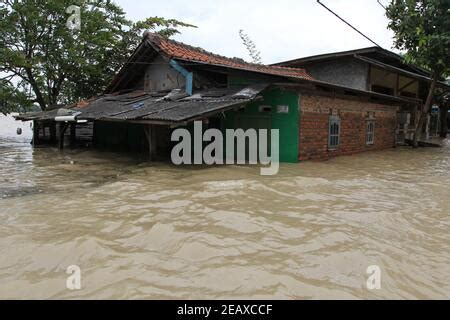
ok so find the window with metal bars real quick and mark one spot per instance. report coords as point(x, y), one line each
point(334, 133)
point(370, 133)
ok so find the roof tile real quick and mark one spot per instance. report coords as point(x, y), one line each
point(181, 51)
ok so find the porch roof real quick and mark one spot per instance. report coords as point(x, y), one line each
point(173, 107)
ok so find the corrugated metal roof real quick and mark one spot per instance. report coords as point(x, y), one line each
point(171, 107)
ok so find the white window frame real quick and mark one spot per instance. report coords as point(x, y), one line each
point(334, 133)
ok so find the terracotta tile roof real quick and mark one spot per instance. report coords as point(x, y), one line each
point(181, 51)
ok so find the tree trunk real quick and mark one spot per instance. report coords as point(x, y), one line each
point(39, 98)
point(444, 123)
point(425, 110)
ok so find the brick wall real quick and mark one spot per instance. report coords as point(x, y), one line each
point(314, 120)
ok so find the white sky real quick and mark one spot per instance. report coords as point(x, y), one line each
point(281, 29)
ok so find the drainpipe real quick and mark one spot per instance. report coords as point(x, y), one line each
point(189, 76)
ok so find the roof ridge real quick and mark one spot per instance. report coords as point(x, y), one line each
point(154, 36)
point(161, 42)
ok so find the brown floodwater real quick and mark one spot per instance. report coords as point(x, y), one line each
point(153, 231)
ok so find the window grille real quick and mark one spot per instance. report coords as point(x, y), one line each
point(334, 132)
point(370, 133)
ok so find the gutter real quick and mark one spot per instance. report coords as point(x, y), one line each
point(65, 119)
point(189, 76)
point(67, 116)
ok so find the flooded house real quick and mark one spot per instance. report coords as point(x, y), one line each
point(378, 70)
point(323, 106)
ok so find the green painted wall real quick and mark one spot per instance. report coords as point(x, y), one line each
point(131, 137)
point(287, 123)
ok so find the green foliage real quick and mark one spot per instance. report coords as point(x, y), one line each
point(422, 28)
point(13, 99)
point(41, 53)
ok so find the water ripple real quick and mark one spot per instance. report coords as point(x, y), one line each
point(140, 230)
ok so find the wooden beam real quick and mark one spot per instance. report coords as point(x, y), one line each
point(392, 68)
point(378, 96)
point(150, 133)
point(407, 85)
point(62, 130)
point(53, 138)
point(73, 134)
point(35, 133)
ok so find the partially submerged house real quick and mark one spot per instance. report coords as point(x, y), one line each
point(167, 84)
point(377, 70)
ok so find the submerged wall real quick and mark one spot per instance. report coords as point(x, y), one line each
point(277, 110)
point(314, 126)
point(131, 137)
point(120, 136)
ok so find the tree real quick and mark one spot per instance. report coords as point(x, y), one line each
point(60, 51)
point(422, 29)
point(251, 47)
point(13, 99)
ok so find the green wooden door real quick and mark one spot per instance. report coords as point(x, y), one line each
point(246, 122)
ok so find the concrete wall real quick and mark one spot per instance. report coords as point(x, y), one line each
point(161, 76)
point(353, 73)
point(345, 72)
point(315, 112)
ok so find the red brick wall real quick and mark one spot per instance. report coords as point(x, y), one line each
point(314, 119)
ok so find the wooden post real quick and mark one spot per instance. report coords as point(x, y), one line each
point(397, 86)
point(62, 131)
point(73, 134)
point(150, 133)
point(53, 138)
point(407, 124)
point(427, 128)
point(443, 119)
point(35, 133)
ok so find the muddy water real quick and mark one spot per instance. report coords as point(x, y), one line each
point(155, 231)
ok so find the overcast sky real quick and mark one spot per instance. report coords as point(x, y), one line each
point(281, 29)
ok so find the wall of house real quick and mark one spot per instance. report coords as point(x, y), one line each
point(120, 136)
point(346, 72)
point(132, 137)
point(160, 76)
point(277, 110)
point(315, 113)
